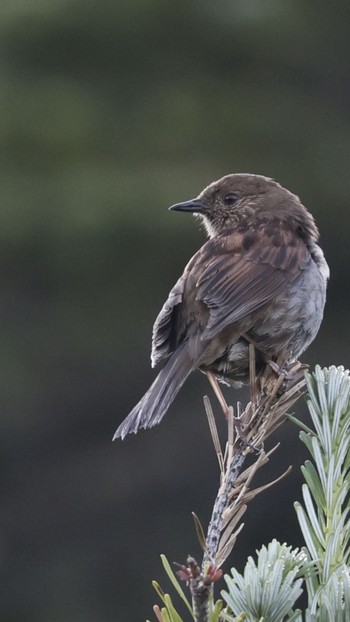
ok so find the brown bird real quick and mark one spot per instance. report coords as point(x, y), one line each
point(261, 278)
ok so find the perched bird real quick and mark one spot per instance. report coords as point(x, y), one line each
point(260, 278)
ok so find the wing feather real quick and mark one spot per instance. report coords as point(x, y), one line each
point(232, 281)
point(240, 282)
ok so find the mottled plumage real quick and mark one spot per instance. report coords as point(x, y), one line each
point(261, 278)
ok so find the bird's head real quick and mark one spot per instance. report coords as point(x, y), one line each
point(243, 198)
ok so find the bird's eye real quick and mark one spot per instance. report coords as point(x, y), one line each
point(230, 198)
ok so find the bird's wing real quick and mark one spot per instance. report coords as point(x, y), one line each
point(165, 335)
point(246, 272)
point(232, 275)
point(162, 328)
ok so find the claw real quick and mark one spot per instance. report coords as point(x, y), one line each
point(280, 370)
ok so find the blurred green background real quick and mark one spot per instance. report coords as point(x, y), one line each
point(110, 112)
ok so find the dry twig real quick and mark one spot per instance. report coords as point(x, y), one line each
point(271, 398)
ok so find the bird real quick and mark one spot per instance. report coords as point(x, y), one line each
point(260, 278)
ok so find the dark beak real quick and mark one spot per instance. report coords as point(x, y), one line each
point(195, 206)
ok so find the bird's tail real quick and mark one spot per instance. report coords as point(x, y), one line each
point(152, 407)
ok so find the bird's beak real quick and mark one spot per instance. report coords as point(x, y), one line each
point(196, 206)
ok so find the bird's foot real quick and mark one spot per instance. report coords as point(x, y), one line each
point(281, 371)
point(279, 376)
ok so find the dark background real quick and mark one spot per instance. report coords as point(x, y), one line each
point(110, 112)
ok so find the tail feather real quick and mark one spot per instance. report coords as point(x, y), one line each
point(152, 407)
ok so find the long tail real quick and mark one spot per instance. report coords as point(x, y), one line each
point(152, 407)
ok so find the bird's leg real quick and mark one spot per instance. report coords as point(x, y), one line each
point(252, 375)
point(274, 366)
point(219, 395)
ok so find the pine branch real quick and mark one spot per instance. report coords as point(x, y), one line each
point(271, 397)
